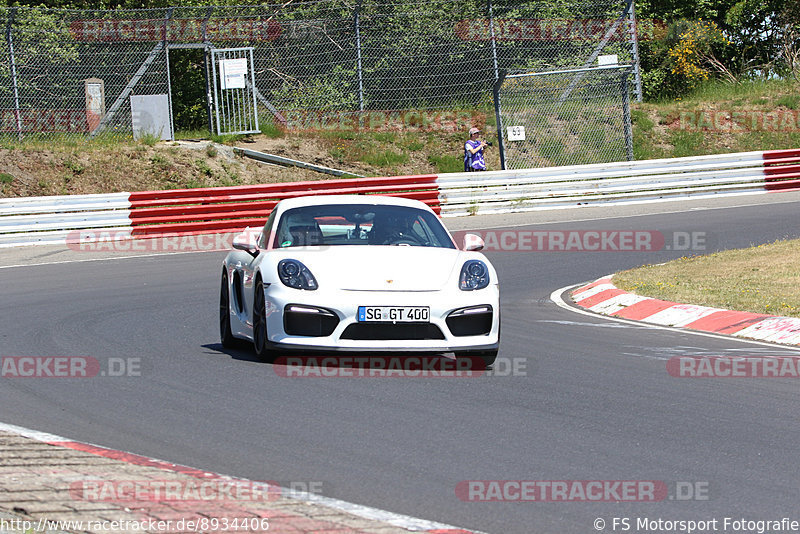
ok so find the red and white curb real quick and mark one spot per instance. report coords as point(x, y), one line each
point(603, 297)
point(412, 524)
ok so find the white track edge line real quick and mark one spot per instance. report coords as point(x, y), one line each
point(555, 296)
point(111, 258)
point(407, 522)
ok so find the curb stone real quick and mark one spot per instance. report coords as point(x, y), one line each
point(37, 471)
point(603, 297)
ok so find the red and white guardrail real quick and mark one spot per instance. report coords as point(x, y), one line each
point(183, 212)
point(50, 220)
point(621, 182)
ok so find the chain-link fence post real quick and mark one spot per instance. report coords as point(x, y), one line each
point(358, 57)
point(13, 67)
point(499, 118)
point(494, 41)
point(169, 93)
point(626, 115)
point(634, 41)
point(206, 70)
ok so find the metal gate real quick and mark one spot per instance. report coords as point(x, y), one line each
point(235, 110)
point(565, 117)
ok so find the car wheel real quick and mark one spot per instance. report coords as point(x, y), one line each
point(225, 334)
point(260, 325)
point(486, 356)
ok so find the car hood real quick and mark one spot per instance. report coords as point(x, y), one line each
point(381, 268)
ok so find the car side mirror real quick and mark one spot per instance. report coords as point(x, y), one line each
point(247, 241)
point(473, 242)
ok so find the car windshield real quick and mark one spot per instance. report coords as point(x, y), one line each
point(360, 224)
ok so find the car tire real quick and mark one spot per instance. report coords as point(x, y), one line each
point(260, 337)
point(488, 357)
point(225, 333)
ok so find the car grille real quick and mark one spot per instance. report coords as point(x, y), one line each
point(309, 321)
point(476, 321)
point(388, 331)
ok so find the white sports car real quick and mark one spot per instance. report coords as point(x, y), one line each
point(359, 273)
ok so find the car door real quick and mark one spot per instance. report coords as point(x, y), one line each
point(248, 269)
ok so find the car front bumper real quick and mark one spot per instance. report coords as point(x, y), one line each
point(353, 336)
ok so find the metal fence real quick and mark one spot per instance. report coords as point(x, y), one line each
point(565, 117)
point(72, 72)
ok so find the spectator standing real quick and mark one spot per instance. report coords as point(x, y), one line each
point(473, 151)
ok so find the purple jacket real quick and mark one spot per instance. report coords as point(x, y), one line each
point(473, 161)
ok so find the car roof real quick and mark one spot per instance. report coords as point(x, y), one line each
point(318, 200)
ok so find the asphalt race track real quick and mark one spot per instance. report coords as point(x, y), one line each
point(594, 403)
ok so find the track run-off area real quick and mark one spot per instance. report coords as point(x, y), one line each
point(574, 398)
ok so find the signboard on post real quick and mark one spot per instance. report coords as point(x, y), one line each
point(232, 73)
point(95, 102)
point(609, 59)
point(516, 133)
point(150, 115)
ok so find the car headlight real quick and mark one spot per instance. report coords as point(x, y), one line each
point(296, 275)
point(474, 275)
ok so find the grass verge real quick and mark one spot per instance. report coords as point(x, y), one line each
point(719, 117)
point(759, 279)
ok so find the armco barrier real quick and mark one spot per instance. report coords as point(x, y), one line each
point(25, 221)
point(47, 220)
point(625, 182)
point(782, 169)
point(226, 209)
point(51, 220)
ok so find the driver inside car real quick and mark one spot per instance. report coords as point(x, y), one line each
point(388, 229)
point(300, 230)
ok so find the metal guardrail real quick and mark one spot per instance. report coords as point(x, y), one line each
point(625, 182)
point(41, 220)
point(288, 162)
point(45, 220)
point(61, 219)
point(223, 209)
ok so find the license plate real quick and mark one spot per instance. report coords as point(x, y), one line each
point(393, 314)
